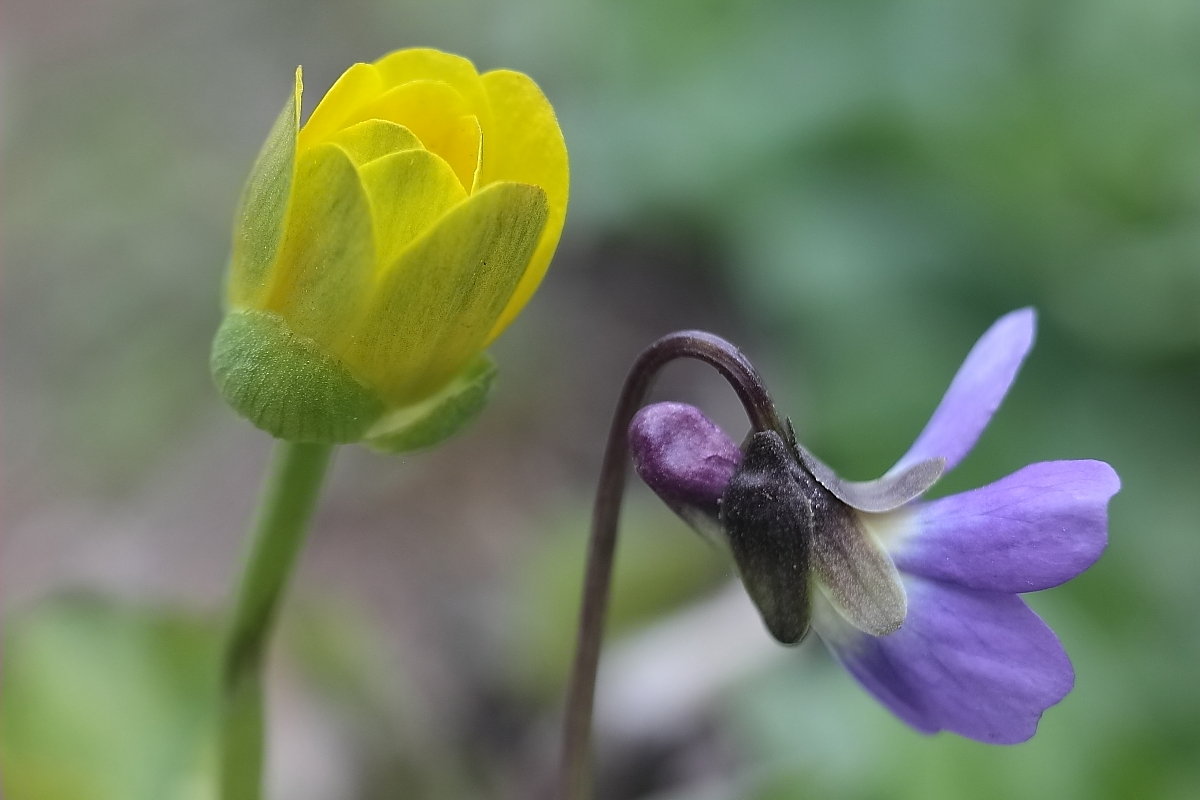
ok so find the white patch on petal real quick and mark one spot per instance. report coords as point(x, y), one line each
point(891, 529)
point(831, 626)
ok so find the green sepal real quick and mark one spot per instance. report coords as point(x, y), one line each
point(436, 419)
point(769, 521)
point(284, 384)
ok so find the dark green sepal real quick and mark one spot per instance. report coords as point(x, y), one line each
point(789, 533)
point(856, 574)
point(768, 520)
point(285, 385)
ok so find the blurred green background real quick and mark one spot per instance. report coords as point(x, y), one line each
point(852, 191)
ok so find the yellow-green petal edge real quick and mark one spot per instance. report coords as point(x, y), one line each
point(262, 212)
point(432, 421)
point(327, 260)
point(438, 300)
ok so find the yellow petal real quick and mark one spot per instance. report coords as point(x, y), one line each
point(440, 118)
point(423, 64)
point(354, 88)
point(409, 191)
point(263, 208)
point(327, 259)
point(524, 144)
point(374, 138)
point(436, 305)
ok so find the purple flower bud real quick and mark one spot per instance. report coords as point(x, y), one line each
point(686, 459)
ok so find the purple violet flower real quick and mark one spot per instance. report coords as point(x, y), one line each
point(918, 600)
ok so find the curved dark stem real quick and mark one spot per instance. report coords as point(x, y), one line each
point(740, 373)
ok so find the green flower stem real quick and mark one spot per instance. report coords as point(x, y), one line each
point(287, 503)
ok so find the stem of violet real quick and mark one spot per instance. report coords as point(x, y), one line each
point(574, 774)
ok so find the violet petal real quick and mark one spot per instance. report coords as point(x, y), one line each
point(980, 664)
point(976, 391)
point(1034, 529)
point(898, 487)
point(686, 459)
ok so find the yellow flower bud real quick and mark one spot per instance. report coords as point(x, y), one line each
point(381, 248)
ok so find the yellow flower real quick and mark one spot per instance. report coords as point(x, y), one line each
point(381, 248)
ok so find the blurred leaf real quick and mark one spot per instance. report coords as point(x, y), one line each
point(106, 701)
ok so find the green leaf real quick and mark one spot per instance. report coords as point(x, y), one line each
point(107, 701)
point(434, 420)
point(260, 216)
point(286, 385)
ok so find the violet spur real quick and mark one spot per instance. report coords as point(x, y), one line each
point(918, 600)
